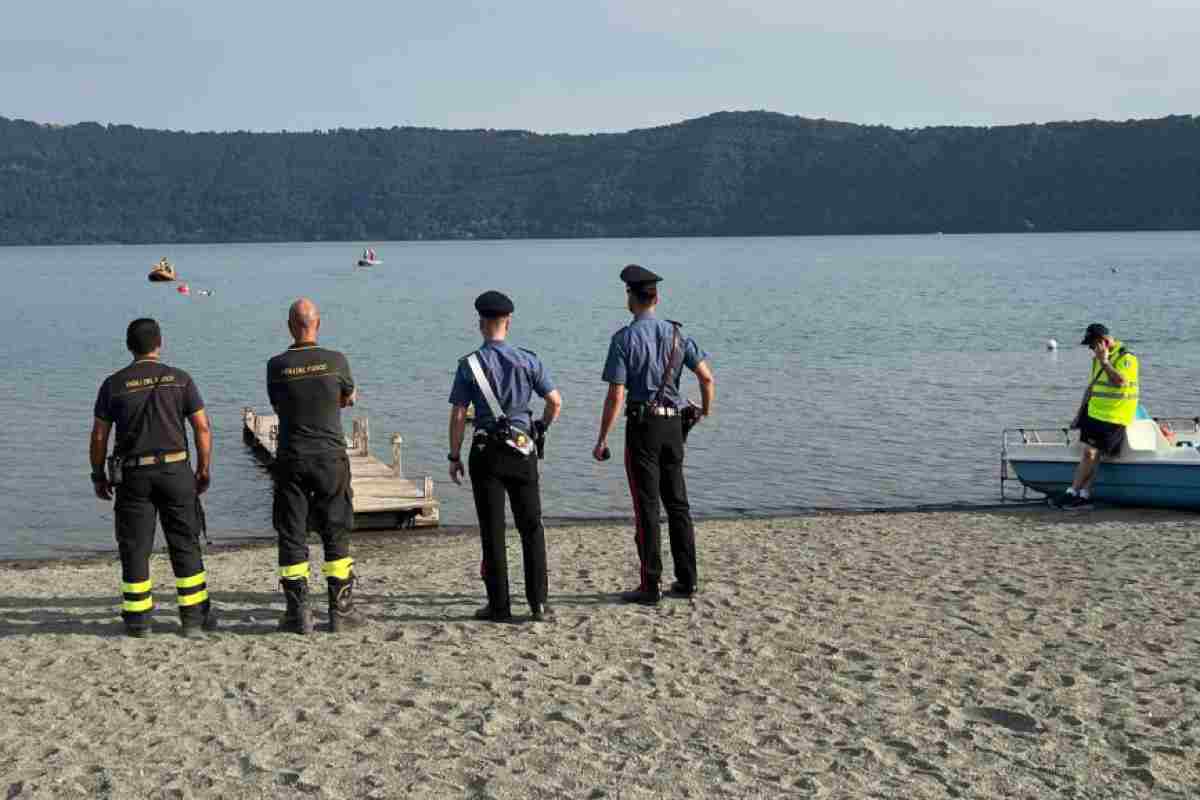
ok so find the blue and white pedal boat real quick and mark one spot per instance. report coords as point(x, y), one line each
point(1158, 465)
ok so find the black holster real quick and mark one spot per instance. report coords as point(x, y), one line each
point(690, 416)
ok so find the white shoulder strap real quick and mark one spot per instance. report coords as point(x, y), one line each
point(484, 385)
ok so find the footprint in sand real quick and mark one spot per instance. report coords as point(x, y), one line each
point(601, 676)
point(567, 717)
point(1015, 721)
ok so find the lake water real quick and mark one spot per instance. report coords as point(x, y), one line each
point(852, 372)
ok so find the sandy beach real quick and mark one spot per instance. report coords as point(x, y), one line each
point(1024, 654)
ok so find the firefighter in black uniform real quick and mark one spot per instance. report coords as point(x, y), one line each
point(499, 380)
point(308, 386)
point(148, 402)
point(646, 359)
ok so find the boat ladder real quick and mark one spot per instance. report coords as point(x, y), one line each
point(1048, 437)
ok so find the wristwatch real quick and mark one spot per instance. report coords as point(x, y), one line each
point(453, 457)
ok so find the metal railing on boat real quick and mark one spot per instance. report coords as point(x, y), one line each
point(1048, 436)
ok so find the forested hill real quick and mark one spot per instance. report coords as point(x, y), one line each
point(725, 174)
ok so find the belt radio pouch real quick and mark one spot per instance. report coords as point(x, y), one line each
point(116, 470)
point(514, 438)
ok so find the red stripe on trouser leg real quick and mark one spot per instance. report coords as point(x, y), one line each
point(637, 520)
point(483, 569)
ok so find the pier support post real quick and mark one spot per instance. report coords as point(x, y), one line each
point(360, 437)
point(397, 441)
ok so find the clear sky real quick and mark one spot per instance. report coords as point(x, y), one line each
point(559, 65)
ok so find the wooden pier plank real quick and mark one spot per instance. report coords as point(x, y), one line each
point(383, 498)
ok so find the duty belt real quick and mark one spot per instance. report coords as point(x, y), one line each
point(157, 458)
point(651, 410)
point(510, 436)
point(500, 434)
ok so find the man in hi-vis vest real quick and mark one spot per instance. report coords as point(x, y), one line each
point(1109, 405)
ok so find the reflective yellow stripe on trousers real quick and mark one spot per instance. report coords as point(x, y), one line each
point(339, 569)
point(136, 597)
point(294, 571)
point(192, 589)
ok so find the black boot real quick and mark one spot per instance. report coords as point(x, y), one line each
point(195, 625)
point(136, 625)
point(298, 617)
point(642, 596)
point(343, 616)
point(489, 614)
point(681, 589)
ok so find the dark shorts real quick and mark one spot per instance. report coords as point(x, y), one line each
point(1106, 437)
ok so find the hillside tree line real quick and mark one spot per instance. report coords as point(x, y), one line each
point(745, 173)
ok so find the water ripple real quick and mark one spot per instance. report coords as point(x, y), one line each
point(853, 372)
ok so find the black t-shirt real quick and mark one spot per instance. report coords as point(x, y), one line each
point(173, 398)
point(306, 384)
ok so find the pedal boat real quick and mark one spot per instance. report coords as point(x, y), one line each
point(1158, 464)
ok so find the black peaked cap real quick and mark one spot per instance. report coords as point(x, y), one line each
point(493, 304)
point(635, 275)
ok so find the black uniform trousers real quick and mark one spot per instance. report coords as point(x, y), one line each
point(166, 492)
point(654, 463)
point(496, 469)
point(313, 493)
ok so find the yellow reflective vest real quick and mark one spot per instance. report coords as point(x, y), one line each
point(1115, 404)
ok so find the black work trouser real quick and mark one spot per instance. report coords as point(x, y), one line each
point(496, 469)
point(166, 492)
point(654, 463)
point(312, 489)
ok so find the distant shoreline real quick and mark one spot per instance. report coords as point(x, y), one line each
point(353, 243)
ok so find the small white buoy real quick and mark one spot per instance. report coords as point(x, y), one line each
point(1051, 344)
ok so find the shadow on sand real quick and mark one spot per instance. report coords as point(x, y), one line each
point(250, 613)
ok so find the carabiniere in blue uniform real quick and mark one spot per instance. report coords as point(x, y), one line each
point(499, 380)
point(647, 357)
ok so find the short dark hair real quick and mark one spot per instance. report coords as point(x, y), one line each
point(645, 294)
point(143, 336)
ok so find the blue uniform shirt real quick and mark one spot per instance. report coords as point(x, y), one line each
point(515, 374)
point(638, 354)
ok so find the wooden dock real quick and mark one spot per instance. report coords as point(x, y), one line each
point(383, 498)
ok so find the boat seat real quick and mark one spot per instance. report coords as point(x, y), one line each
point(1144, 436)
